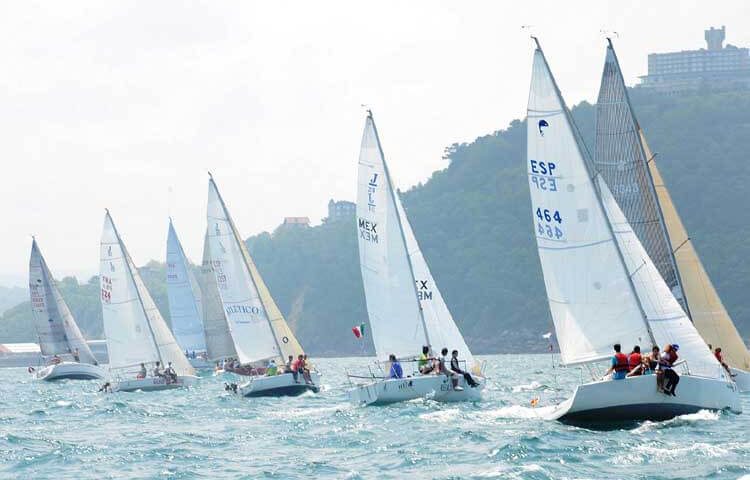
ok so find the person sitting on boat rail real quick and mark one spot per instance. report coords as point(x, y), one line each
point(395, 371)
point(142, 372)
point(426, 362)
point(170, 373)
point(157, 370)
point(618, 364)
point(271, 368)
point(442, 369)
point(720, 359)
point(55, 360)
point(456, 368)
point(635, 362)
point(76, 356)
point(666, 362)
point(298, 367)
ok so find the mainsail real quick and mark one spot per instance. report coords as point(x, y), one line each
point(185, 305)
point(56, 328)
point(405, 306)
point(136, 332)
point(602, 286)
point(627, 165)
point(256, 324)
point(219, 342)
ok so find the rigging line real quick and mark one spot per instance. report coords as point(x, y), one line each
point(681, 245)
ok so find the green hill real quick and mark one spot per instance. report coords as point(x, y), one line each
point(474, 224)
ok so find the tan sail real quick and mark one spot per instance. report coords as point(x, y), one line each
point(706, 309)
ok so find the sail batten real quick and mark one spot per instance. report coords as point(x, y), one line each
point(56, 328)
point(185, 302)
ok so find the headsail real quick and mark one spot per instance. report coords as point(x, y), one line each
point(258, 329)
point(592, 301)
point(621, 161)
point(396, 320)
point(185, 305)
point(219, 342)
point(56, 328)
point(136, 332)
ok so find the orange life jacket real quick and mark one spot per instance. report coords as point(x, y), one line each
point(622, 362)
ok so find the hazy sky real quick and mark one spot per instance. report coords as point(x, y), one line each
point(127, 105)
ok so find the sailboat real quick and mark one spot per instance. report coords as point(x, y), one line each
point(185, 303)
point(136, 332)
point(602, 287)
point(257, 327)
point(60, 340)
point(219, 343)
point(625, 161)
point(405, 307)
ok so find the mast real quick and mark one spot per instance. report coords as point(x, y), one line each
point(585, 155)
point(652, 187)
point(244, 260)
point(400, 228)
point(137, 290)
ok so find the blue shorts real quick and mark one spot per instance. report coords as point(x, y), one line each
point(618, 375)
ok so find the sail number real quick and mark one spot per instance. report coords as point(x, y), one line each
point(543, 175)
point(548, 224)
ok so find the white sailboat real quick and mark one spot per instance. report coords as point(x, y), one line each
point(405, 307)
point(625, 161)
point(60, 341)
point(257, 327)
point(219, 344)
point(185, 303)
point(135, 330)
point(602, 286)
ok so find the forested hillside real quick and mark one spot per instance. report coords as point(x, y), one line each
point(473, 221)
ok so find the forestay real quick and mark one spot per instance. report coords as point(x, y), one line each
point(136, 332)
point(390, 289)
point(258, 329)
point(185, 305)
point(592, 302)
point(56, 328)
point(218, 339)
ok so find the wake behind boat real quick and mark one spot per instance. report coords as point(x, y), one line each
point(60, 340)
point(143, 353)
point(602, 286)
point(406, 310)
point(262, 339)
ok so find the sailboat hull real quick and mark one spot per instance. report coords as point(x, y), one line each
point(435, 387)
point(152, 384)
point(637, 399)
point(201, 363)
point(70, 371)
point(742, 379)
point(280, 386)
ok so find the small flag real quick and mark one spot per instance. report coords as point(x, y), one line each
point(359, 330)
point(535, 401)
point(362, 329)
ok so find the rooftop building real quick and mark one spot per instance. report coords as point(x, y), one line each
point(714, 67)
point(341, 210)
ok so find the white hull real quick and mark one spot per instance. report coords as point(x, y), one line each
point(636, 398)
point(279, 385)
point(70, 370)
point(435, 387)
point(151, 384)
point(742, 379)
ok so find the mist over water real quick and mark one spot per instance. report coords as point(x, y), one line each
point(67, 430)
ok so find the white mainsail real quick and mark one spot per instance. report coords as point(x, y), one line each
point(185, 305)
point(592, 302)
point(56, 328)
point(219, 342)
point(405, 307)
point(258, 329)
point(136, 332)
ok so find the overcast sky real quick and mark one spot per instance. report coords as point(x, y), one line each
point(127, 105)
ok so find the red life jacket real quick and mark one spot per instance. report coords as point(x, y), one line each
point(622, 362)
point(634, 360)
point(719, 357)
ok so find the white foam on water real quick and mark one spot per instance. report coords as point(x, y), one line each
point(668, 453)
point(528, 387)
point(441, 416)
point(510, 471)
point(517, 411)
point(63, 403)
point(687, 419)
point(312, 412)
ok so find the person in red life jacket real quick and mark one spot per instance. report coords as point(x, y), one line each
point(720, 359)
point(666, 362)
point(618, 364)
point(635, 362)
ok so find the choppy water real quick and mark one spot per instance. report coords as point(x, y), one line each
point(66, 430)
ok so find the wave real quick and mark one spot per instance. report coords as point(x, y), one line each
point(679, 421)
point(517, 411)
point(441, 416)
point(534, 385)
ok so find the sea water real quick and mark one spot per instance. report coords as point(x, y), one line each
point(68, 430)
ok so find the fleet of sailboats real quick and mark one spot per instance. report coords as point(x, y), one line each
point(406, 309)
point(602, 286)
point(618, 264)
point(60, 340)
